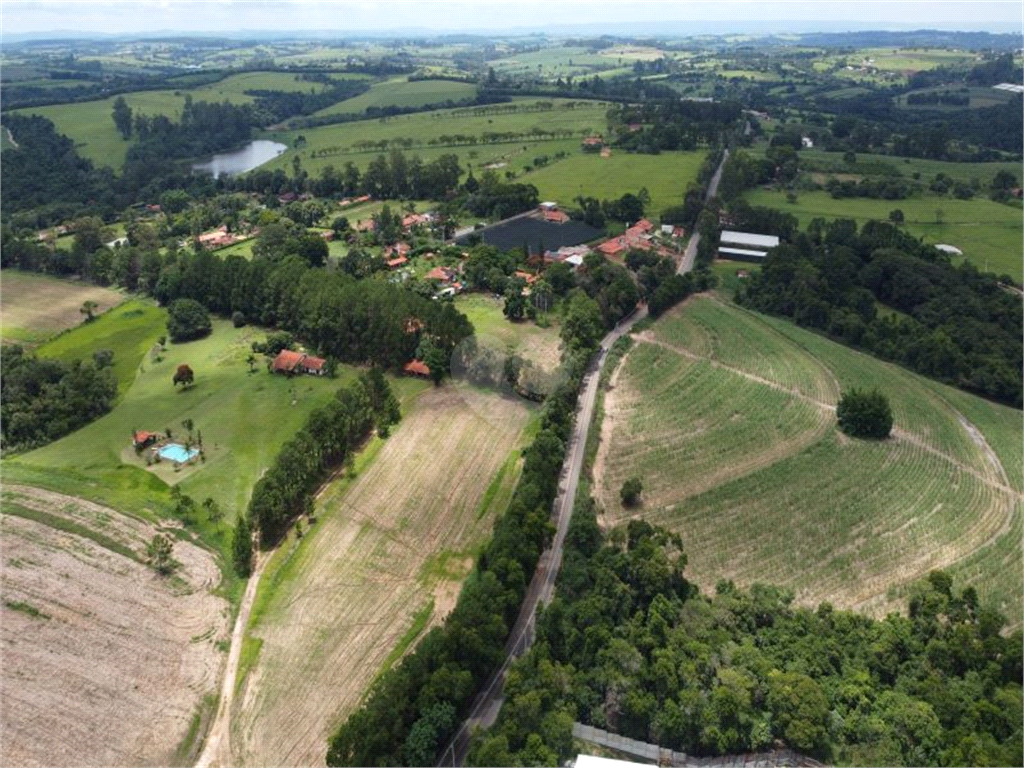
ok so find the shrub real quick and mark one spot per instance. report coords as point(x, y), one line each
point(864, 414)
point(630, 492)
point(237, 319)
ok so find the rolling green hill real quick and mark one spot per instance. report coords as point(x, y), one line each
point(728, 418)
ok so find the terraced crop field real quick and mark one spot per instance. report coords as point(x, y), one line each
point(105, 662)
point(728, 418)
point(383, 563)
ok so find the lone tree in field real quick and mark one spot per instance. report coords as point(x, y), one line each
point(158, 554)
point(87, 309)
point(630, 493)
point(184, 376)
point(864, 414)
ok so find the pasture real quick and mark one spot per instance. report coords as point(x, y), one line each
point(244, 417)
point(337, 144)
point(989, 233)
point(665, 176)
point(884, 165)
point(90, 125)
point(541, 346)
point(105, 662)
point(728, 418)
point(400, 92)
point(383, 562)
point(35, 307)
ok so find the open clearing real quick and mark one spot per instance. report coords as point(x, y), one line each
point(989, 233)
point(104, 661)
point(35, 307)
point(728, 418)
point(359, 588)
point(400, 92)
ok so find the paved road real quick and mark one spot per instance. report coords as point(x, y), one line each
point(686, 264)
point(488, 702)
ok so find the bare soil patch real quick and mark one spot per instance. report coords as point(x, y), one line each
point(35, 307)
point(104, 662)
point(401, 535)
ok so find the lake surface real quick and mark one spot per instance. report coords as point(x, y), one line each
point(252, 155)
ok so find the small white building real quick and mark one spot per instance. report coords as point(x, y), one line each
point(745, 246)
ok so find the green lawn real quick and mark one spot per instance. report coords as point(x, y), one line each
point(735, 441)
point(819, 160)
point(988, 233)
point(665, 176)
point(244, 417)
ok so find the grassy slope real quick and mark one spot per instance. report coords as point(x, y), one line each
point(424, 126)
point(400, 92)
point(90, 126)
point(849, 521)
point(988, 233)
point(244, 417)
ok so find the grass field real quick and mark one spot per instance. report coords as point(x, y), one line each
point(384, 561)
point(105, 662)
point(244, 417)
point(728, 418)
point(540, 345)
point(90, 125)
point(665, 176)
point(35, 307)
point(989, 233)
point(337, 144)
point(820, 160)
point(400, 92)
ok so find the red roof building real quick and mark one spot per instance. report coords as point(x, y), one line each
point(142, 438)
point(397, 262)
point(416, 368)
point(556, 217)
point(289, 362)
point(444, 274)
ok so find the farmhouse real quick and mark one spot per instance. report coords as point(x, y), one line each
point(397, 262)
point(637, 237)
point(745, 246)
point(442, 274)
point(289, 363)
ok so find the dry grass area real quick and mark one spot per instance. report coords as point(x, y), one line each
point(728, 419)
point(35, 307)
point(402, 534)
point(104, 662)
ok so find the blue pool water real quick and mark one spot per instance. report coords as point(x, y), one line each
point(175, 452)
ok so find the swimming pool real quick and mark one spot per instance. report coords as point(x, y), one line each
point(175, 452)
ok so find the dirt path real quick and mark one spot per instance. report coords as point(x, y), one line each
point(10, 137)
point(217, 747)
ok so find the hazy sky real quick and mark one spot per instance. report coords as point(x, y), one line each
point(19, 16)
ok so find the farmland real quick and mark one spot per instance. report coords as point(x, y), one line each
point(105, 662)
point(400, 92)
point(388, 550)
point(727, 416)
point(34, 307)
point(989, 233)
point(337, 144)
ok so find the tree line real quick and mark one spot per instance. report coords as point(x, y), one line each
point(630, 645)
point(329, 437)
point(957, 325)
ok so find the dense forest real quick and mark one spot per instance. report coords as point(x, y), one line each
point(954, 324)
point(629, 645)
point(42, 399)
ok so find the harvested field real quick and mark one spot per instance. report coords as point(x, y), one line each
point(35, 307)
point(727, 416)
point(104, 662)
point(358, 591)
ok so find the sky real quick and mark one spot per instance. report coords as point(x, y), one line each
point(212, 16)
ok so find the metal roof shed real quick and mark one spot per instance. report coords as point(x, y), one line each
point(731, 237)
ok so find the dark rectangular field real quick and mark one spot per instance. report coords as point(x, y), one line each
point(535, 234)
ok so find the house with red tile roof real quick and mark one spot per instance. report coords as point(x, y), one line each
point(397, 262)
point(289, 362)
point(443, 274)
point(142, 438)
point(555, 217)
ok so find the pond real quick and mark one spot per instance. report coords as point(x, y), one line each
point(252, 155)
